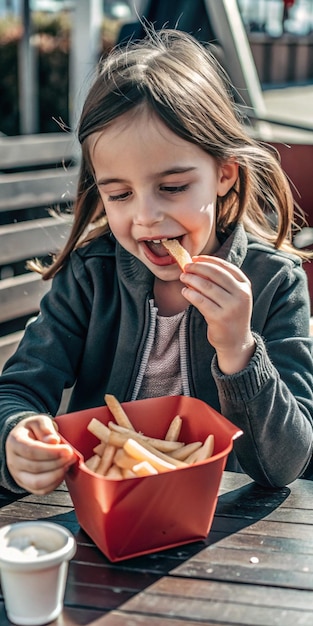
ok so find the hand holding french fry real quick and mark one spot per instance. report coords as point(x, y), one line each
point(223, 295)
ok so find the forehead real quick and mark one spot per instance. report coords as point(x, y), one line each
point(140, 121)
point(142, 137)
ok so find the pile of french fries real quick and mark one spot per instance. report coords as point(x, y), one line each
point(123, 452)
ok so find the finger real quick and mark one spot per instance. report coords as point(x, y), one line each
point(40, 451)
point(203, 290)
point(34, 466)
point(40, 483)
point(38, 477)
point(206, 306)
point(209, 284)
point(208, 265)
point(42, 428)
point(216, 282)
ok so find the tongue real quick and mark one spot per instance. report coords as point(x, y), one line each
point(157, 248)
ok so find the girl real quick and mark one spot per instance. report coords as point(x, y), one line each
point(165, 155)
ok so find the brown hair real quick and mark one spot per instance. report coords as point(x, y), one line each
point(179, 79)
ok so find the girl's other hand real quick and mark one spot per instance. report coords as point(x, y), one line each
point(35, 457)
point(223, 294)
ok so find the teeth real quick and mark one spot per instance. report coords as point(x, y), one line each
point(158, 240)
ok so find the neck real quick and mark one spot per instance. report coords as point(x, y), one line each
point(168, 297)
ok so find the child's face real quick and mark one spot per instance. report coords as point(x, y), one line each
point(155, 185)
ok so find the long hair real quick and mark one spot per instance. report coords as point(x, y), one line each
point(179, 79)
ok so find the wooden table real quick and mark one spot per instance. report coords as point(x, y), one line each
point(256, 566)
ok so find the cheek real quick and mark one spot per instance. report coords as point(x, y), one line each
point(208, 211)
point(205, 217)
point(204, 223)
point(118, 224)
point(205, 200)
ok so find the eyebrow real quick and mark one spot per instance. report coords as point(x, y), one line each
point(169, 172)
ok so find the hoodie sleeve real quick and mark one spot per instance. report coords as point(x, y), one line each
point(272, 399)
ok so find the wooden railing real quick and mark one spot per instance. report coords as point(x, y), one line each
point(37, 174)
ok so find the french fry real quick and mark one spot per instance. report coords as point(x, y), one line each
point(106, 435)
point(106, 460)
point(159, 444)
point(182, 453)
point(174, 429)
point(93, 462)
point(117, 439)
point(114, 472)
point(176, 250)
point(128, 473)
point(117, 411)
point(99, 449)
point(98, 429)
point(139, 452)
point(144, 468)
point(202, 453)
point(123, 460)
point(164, 456)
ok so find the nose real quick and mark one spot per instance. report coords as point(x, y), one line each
point(148, 212)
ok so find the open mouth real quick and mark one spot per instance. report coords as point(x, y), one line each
point(157, 248)
point(156, 252)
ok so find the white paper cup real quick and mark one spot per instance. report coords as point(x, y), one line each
point(33, 565)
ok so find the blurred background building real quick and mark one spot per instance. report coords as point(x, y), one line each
point(268, 16)
point(41, 41)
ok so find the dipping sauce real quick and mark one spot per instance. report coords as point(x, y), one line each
point(23, 548)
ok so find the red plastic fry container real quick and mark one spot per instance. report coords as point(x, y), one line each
point(127, 518)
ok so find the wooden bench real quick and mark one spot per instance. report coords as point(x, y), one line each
point(38, 173)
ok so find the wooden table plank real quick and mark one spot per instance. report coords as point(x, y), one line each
point(231, 592)
point(118, 618)
point(197, 601)
point(263, 543)
point(272, 569)
point(264, 528)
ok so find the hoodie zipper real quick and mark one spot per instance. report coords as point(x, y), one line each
point(147, 349)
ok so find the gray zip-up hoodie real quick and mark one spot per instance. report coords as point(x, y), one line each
point(93, 326)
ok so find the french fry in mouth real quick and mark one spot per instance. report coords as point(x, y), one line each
point(178, 252)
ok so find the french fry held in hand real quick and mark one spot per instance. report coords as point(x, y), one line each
point(122, 452)
point(178, 252)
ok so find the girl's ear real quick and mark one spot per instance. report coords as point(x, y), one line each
point(227, 176)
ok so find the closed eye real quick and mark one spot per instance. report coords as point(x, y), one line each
point(174, 188)
point(119, 196)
